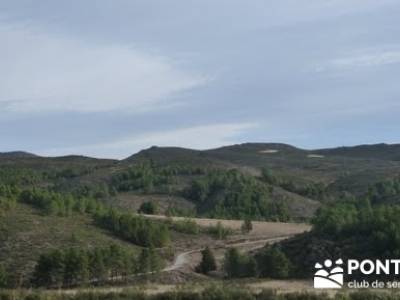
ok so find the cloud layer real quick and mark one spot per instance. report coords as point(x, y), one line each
point(107, 78)
point(363, 59)
point(40, 72)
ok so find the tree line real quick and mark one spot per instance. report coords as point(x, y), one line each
point(54, 203)
point(347, 228)
point(77, 267)
point(8, 196)
point(232, 195)
point(146, 177)
point(136, 229)
point(387, 191)
point(270, 262)
point(313, 190)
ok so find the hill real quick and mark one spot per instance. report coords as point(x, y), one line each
point(86, 204)
point(16, 154)
point(376, 151)
point(300, 179)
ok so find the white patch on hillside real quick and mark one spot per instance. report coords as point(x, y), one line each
point(315, 156)
point(268, 151)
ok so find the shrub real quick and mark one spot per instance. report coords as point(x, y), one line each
point(149, 208)
point(186, 226)
point(207, 263)
point(219, 231)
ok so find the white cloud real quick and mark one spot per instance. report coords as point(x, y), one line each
point(40, 72)
point(197, 137)
point(362, 60)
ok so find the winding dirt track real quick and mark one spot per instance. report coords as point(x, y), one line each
point(263, 233)
point(182, 259)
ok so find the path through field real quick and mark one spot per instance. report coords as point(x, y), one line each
point(263, 233)
point(185, 258)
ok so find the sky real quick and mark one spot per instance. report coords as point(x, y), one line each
point(107, 78)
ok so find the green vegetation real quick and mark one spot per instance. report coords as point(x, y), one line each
point(219, 231)
point(60, 204)
point(75, 267)
point(149, 261)
point(186, 225)
point(238, 265)
point(149, 208)
point(147, 177)
point(132, 228)
point(8, 197)
point(3, 277)
point(173, 211)
point(26, 234)
point(213, 292)
point(19, 176)
point(272, 263)
point(387, 191)
point(313, 190)
point(135, 229)
point(348, 228)
point(207, 263)
point(143, 177)
point(233, 195)
point(48, 204)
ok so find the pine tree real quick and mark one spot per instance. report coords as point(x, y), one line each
point(50, 269)
point(144, 264)
point(97, 265)
point(232, 263)
point(76, 267)
point(273, 263)
point(149, 208)
point(207, 263)
point(3, 277)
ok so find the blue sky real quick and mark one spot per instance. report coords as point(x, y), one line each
point(108, 78)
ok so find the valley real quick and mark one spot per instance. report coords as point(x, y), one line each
point(264, 212)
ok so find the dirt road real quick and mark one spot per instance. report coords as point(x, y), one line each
point(263, 233)
point(186, 258)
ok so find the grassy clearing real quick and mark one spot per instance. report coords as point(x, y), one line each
point(263, 229)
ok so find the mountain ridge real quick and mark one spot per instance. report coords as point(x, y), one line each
point(362, 149)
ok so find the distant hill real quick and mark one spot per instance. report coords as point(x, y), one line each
point(17, 154)
point(302, 178)
point(261, 181)
point(376, 151)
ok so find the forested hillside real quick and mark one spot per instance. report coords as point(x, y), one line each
point(57, 212)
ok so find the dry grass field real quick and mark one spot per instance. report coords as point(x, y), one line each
point(260, 229)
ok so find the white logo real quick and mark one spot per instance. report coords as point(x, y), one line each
point(329, 276)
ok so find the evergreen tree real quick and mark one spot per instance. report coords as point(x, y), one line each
point(207, 263)
point(239, 265)
point(76, 267)
point(97, 263)
point(3, 277)
point(149, 208)
point(232, 261)
point(273, 263)
point(50, 269)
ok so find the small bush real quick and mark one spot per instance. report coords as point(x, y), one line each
point(219, 231)
point(186, 226)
